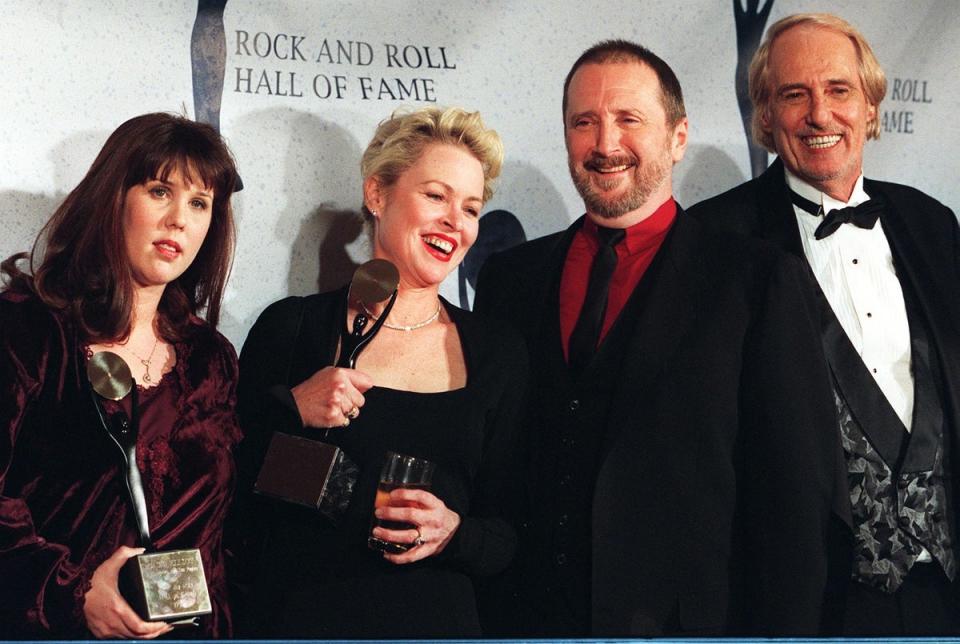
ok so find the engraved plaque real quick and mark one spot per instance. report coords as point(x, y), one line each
point(167, 586)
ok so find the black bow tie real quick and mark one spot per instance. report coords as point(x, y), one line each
point(863, 216)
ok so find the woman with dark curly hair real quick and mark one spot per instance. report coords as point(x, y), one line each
point(128, 263)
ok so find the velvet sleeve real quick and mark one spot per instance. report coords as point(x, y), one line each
point(486, 540)
point(210, 410)
point(41, 590)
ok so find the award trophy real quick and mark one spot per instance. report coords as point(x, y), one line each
point(373, 282)
point(309, 472)
point(168, 586)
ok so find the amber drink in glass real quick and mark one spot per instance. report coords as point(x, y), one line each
point(399, 471)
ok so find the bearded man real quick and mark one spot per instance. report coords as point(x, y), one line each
point(676, 486)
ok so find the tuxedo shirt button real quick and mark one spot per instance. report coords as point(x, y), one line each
point(856, 261)
point(574, 405)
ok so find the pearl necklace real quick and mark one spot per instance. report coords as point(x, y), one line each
point(399, 327)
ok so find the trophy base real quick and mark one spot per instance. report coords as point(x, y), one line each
point(307, 472)
point(167, 586)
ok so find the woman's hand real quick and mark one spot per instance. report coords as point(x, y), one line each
point(107, 613)
point(434, 524)
point(331, 397)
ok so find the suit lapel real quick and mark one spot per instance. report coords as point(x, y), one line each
point(551, 343)
point(866, 401)
point(777, 223)
point(869, 407)
point(672, 288)
point(936, 299)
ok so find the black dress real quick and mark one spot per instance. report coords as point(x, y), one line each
point(309, 579)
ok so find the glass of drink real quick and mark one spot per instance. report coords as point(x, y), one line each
point(399, 471)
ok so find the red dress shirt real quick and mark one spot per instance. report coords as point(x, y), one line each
point(634, 255)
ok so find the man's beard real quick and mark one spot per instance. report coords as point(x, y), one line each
point(644, 180)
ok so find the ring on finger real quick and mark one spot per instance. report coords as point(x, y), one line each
point(419, 541)
point(353, 413)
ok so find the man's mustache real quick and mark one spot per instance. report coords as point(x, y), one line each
point(597, 163)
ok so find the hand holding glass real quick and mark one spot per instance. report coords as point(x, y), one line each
point(399, 471)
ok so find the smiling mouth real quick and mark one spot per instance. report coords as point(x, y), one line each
point(445, 246)
point(821, 141)
point(613, 165)
point(612, 169)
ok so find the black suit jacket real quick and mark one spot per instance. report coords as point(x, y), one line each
point(711, 501)
point(925, 242)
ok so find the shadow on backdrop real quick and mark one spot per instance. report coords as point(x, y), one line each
point(294, 235)
point(320, 257)
point(499, 230)
point(706, 171)
point(525, 190)
point(23, 214)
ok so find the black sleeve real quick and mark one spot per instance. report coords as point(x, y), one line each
point(264, 405)
point(486, 539)
point(486, 299)
point(789, 443)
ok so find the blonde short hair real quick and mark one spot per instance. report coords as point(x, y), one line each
point(400, 140)
point(871, 74)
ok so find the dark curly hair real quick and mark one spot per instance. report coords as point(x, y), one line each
point(79, 263)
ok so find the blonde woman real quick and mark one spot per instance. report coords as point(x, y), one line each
point(436, 382)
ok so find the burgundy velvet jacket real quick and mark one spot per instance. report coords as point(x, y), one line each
point(63, 507)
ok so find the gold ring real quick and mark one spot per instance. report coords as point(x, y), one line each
point(353, 413)
point(419, 540)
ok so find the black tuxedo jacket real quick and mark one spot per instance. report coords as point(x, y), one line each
point(925, 242)
point(923, 235)
point(711, 501)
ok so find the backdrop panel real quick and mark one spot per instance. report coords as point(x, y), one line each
point(305, 83)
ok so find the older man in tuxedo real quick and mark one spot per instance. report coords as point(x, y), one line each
point(885, 261)
point(675, 464)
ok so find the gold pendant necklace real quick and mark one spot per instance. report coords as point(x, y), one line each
point(146, 363)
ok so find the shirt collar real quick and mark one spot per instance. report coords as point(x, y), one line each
point(643, 234)
point(828, 203)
